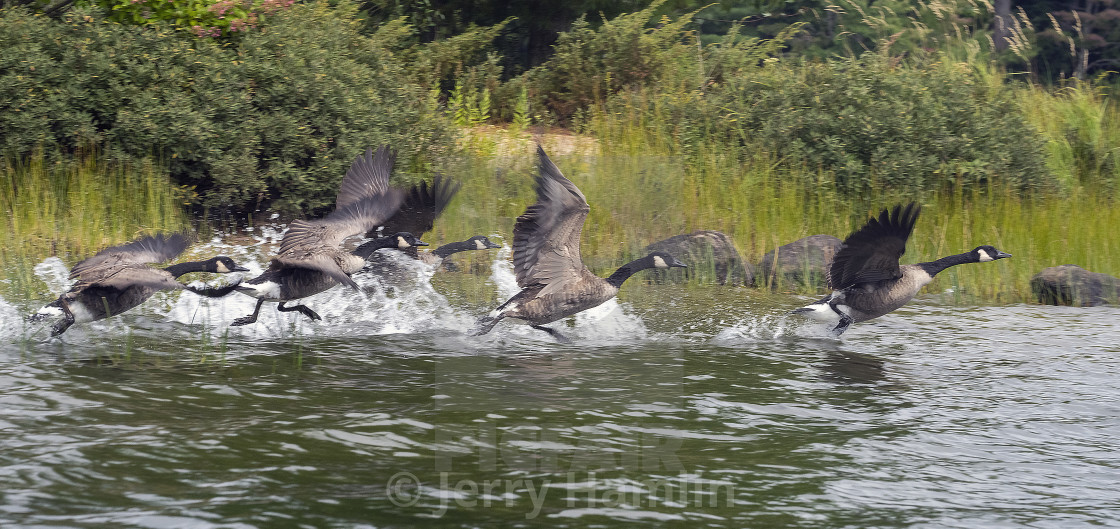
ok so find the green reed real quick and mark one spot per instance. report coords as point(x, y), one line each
point(641, 190)
point(75, 208)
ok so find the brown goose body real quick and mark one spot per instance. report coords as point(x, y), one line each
point(554, 281)
point(311, 258)
point(119, 278)
point(866, 278)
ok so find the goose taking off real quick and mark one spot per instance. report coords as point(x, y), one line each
point(117, 279)
point(311, 259)
point(866, 279)
point(554, 281)
point(417, 215)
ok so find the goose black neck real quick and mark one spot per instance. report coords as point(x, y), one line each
point(367, 249)
point(187, 267)
point(933, 267)
point(455, 247)
point(622, 274)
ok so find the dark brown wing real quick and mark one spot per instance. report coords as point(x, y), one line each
point(421, 206)
point(134, 275)
point(871, 253)
point(150, 249)
point(306, 237)
point(321, 262)
point(368, 176)
point(546, 237)
point(315, 244)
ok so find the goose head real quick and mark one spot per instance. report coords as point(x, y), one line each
point(986, 253)
point(481, 242)
point(223, 265)
point(664, 260)
point(408, 240)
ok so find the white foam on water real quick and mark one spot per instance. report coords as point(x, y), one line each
point(766, 328)
point(406, 304)
point(610, 321)
point(12, 325)
point(55, 274)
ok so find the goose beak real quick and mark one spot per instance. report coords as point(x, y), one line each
point(1002, 255)
point(677, 262)
point(420, 243)
point(240, 268)
point(491, 244)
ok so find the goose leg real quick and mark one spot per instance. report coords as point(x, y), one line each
point(67, 321)
point(486, 323)
point(555, 333)
point(302, 309)
point(845, 322)
point(252, 318)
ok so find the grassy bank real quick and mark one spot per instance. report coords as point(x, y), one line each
point(640, 191)
point(75, 209)
point(643, 188)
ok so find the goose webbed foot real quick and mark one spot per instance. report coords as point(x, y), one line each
point(845, 322)
point(252, 318)
point(485, 323)
point(302, 309)
point(61, 326)
point(555, 333)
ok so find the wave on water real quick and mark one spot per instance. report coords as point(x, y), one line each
point(404, 303)
point(610, 321)
point(768, 328)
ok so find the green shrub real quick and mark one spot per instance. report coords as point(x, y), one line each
point(271, 120)
point(870, 122)
point(205, 18)
point(875, 122)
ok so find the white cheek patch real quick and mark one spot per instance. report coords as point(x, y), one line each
point(401, 243)
point(985, 256)
point(659, 262)
point(478, 244)
point(222, 268)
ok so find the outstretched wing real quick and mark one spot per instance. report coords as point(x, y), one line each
point(306, 237)
point(368, 176)
point(546, 237)
point(135, 275)
point(421, 206)
point(315, 244)
point(871, 253)
point(149, 249)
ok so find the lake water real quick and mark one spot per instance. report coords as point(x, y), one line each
point(674, 407)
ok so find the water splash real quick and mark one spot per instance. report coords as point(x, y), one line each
point(611, 321)
point(55, 274)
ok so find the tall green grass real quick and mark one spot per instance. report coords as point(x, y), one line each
point(74, 209)
point(642, 189)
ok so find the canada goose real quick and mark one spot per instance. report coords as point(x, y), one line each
point(310, 259)
point(117, 279)
point(554, 281)
point(422, 205)
point(866, 279)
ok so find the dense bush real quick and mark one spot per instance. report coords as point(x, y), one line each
point(871, 121)
point(275, 118)
point(874, 122)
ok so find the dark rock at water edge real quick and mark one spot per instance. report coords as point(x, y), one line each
point(710, 256)
point(1073, 285)
point(800, 264)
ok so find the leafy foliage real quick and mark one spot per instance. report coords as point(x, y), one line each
point(206, 18)
point(274, 119)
